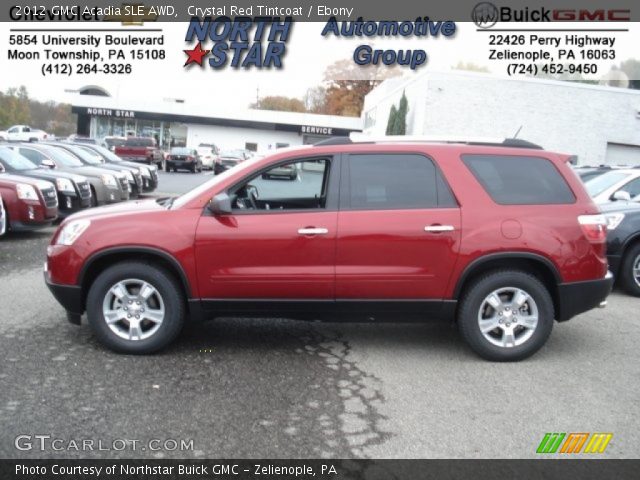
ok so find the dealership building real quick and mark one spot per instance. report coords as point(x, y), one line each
point(174, 122)
point(599, 124)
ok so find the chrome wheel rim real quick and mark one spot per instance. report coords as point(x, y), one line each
point(133, 309)
point(636, 270)
point(508, 317)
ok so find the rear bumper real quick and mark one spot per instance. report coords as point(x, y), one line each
point(69, 296)
point(580, 297)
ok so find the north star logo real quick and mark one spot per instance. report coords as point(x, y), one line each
point(196, 55)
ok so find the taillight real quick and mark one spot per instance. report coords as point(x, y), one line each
point(594, 227)
point(168, 157)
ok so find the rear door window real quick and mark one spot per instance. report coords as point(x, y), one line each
point(520, 180)
point(396, 181)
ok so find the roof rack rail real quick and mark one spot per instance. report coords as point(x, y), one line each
point(358, 137)
point(334, 141)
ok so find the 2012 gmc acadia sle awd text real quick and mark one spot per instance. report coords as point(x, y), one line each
point(501, 238)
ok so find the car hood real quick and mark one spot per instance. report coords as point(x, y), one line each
point(47, 174)
point(90, 171)
point(619, 206)
point(118, 210)
point(10, 179)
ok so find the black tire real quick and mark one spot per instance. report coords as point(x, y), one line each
point(627, 279)
point(165, 284)
point(473, 299)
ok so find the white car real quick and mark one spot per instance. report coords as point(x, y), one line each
point(620, 184)
point(208, 153)
point(3, 218)
point(23, 133)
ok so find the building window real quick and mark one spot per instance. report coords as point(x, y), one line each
point(282, 145)
point(252, 147)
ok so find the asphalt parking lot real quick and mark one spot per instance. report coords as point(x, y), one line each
point(278, 388)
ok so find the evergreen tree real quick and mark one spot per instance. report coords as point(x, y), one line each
point(391, 123)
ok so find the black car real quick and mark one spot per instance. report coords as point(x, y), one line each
point(148, 174)
point(229, 159)
point(623, 243)
point(74, 191)
point(184, 159)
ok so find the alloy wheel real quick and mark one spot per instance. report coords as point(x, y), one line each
point(133, 309)
point(508, 317)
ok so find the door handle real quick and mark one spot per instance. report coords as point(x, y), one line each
point(313, 231)
point(439, 228)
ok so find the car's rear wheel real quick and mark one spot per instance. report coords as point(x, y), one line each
point(630, 271)
point(506, 316)
point(135, 308)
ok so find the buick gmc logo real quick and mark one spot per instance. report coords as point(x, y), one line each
point(486, 15)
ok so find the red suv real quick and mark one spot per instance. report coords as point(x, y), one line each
point(501, 238)
point(29, 203)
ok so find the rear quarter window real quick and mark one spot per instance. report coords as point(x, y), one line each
point(520, 180)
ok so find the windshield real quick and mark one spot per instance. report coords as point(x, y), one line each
point(62, 157)
point(597, 185)
point(15, 161)
point(231, 154)
point(180, 151)
point(199, 190)
point(105, 152)
point(86, 157)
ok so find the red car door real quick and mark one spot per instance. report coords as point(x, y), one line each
point(279, 241)
point(398, 229)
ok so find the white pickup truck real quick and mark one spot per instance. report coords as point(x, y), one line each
point(23, 133)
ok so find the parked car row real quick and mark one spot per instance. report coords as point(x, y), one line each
point(41, 182)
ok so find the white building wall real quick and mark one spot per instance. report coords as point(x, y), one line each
point(565, 117)
point(233, 137)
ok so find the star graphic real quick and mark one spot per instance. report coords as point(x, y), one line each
point(195, 55)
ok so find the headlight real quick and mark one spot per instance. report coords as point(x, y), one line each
point(129, 175)
point(613, 220)
point(145, 172)
point(109, 180)
point(64, 185)
point(71, 231)
point(26, 192)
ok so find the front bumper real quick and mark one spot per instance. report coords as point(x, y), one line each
point(149, 184)
point(70, 204)
point(580, 297)
point(69, 296)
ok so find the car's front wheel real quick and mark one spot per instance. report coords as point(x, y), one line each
point(135, 308)
point(506, 315)
point(630, 271)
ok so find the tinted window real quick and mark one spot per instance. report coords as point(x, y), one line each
point(520, 180)
point(393, 182)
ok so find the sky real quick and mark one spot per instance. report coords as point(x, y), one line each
point(308, 55)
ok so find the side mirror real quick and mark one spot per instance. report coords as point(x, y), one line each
point(48, 163)
point(621, 195)
point(220, 204)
